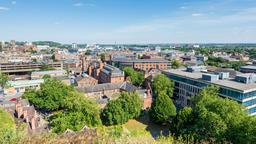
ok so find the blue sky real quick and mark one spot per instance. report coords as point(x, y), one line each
point(129, 21)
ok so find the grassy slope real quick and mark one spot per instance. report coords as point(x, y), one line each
point(6, 120)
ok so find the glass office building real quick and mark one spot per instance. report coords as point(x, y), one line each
point(188, 84)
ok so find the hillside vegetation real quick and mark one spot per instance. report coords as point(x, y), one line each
point(6, 120)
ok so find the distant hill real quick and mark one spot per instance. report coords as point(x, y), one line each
point(49, 43)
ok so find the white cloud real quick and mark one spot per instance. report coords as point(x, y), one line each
point(196, 14)
point(14, 2)
point(3, 8)
point(78, 4)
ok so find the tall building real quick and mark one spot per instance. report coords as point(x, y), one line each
point(189, 82)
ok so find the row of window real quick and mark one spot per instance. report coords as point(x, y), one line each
point(188, 81)
point(223, 91)
point(249, 103)
point(252, 110)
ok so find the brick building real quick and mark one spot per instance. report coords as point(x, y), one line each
point(102, 93)
point(111, 74)
point(83, 81)
point(141, 64)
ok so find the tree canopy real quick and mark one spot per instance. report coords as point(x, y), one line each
point(220, 62)
point(136, 78)
point(162, 109)
point(71, 110)
point(161, 83)
point(215, 119)
point(176, 64)
point(3, 79)
point(119, 111)
point(88, 52)
point(103, 57)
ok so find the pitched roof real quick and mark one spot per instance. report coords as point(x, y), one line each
point(108, 86)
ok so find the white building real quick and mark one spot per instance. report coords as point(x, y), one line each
point(74, 45)
point(21, 85)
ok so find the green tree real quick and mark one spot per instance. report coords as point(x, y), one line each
point(119, 111)
point(51, 96)
point(114, 113)
point(88, 52)
point(162, 109)
point(176, 64)
point(161, 83)
point(132, 104)
point(128, 71)
point(215, 120)
point(103, 57)
point(3, 79)
point(136, 78)
point(70, 109)
point(46, 67)
point(46, 77)
point(183, 122)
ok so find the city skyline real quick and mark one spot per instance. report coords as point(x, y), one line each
point(129, 21)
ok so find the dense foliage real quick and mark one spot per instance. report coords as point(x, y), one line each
point(3, 79)
point(137, 78)
point(176, 64)
point(162, 109)
point(215, 119)
point(8, 131)
point(51, 96)
point(220, 62)
point(103, 57)
point(70, 109)
point(119, 111)
point(161, 83)
point(88, 52)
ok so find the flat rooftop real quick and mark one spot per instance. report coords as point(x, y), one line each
point(229, 83)
point(49, 72)
point(22, 83)
point(253, 67)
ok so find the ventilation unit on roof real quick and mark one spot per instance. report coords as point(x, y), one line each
point(223, 75)
point(210, 77)
point(246, 78)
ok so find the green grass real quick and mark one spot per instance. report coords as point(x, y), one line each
point(6, 120)
point(136, 128)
